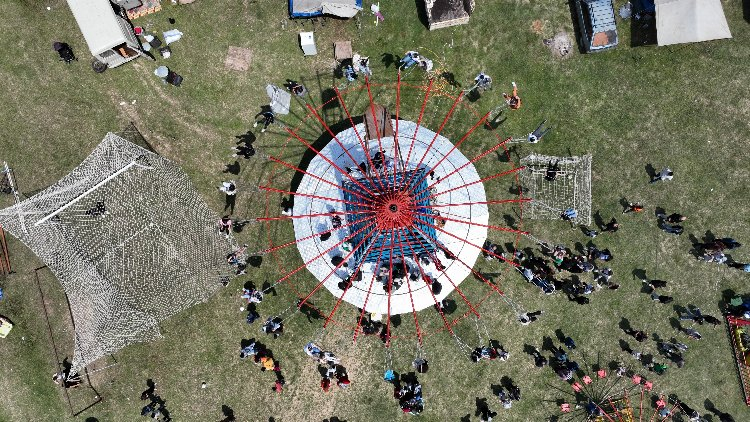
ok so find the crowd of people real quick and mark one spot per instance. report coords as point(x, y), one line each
point(577, 272)
point(408, 391)
point(329, 367)
point(263, 357)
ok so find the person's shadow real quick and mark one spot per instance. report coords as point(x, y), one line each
point(494, 123)
point(624, 203)
point(449, 306)
point(255, 261)
point(228, 414)
point(651, 171)
point(547, 344)
point(308, 310)
point(625, 325)
point(598, 220)
point(267, 286)
point(229, 203)
point(233, 168)
point(246, 139)
point(451, 79)
point(726, 298)
point(389, 59)
point(483, 409)
point(473, 95)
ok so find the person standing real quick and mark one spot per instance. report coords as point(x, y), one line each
point(513, 100)
point(267, 117)
point(612, 226)
point(664, 175)
point(633, 207)
point(410, 59)
point(482, 82)
point(225, 225)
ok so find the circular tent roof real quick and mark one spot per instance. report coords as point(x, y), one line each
point(398, 225)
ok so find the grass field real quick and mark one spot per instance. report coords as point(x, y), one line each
point(684, 106)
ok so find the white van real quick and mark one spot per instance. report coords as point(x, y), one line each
point(109, 34)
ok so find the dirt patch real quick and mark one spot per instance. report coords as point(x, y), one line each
point(238, 58)
point(561, 45)
point(537, 27)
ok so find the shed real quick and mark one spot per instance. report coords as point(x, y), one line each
point(445, 13)
point(109, 36)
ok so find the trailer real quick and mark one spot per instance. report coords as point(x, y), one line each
point(107, 31)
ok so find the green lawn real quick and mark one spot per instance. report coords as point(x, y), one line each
point(684, 106)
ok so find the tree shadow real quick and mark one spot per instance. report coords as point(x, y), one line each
point(746, 10)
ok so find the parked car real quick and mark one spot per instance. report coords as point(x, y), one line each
point(596, 19)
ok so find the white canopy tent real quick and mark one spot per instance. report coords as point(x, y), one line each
point(686, 21)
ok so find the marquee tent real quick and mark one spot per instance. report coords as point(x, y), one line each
point(311, 8)
point(686, 21)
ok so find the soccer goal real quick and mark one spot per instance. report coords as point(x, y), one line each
point(555, 184)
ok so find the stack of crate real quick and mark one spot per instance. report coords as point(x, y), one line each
point(148, 6)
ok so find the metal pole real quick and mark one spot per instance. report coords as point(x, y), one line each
point(12, 184)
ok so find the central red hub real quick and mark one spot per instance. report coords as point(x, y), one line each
point(394, 210)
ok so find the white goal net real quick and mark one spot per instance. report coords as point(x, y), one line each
point(130, 240)
point(555, 184)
